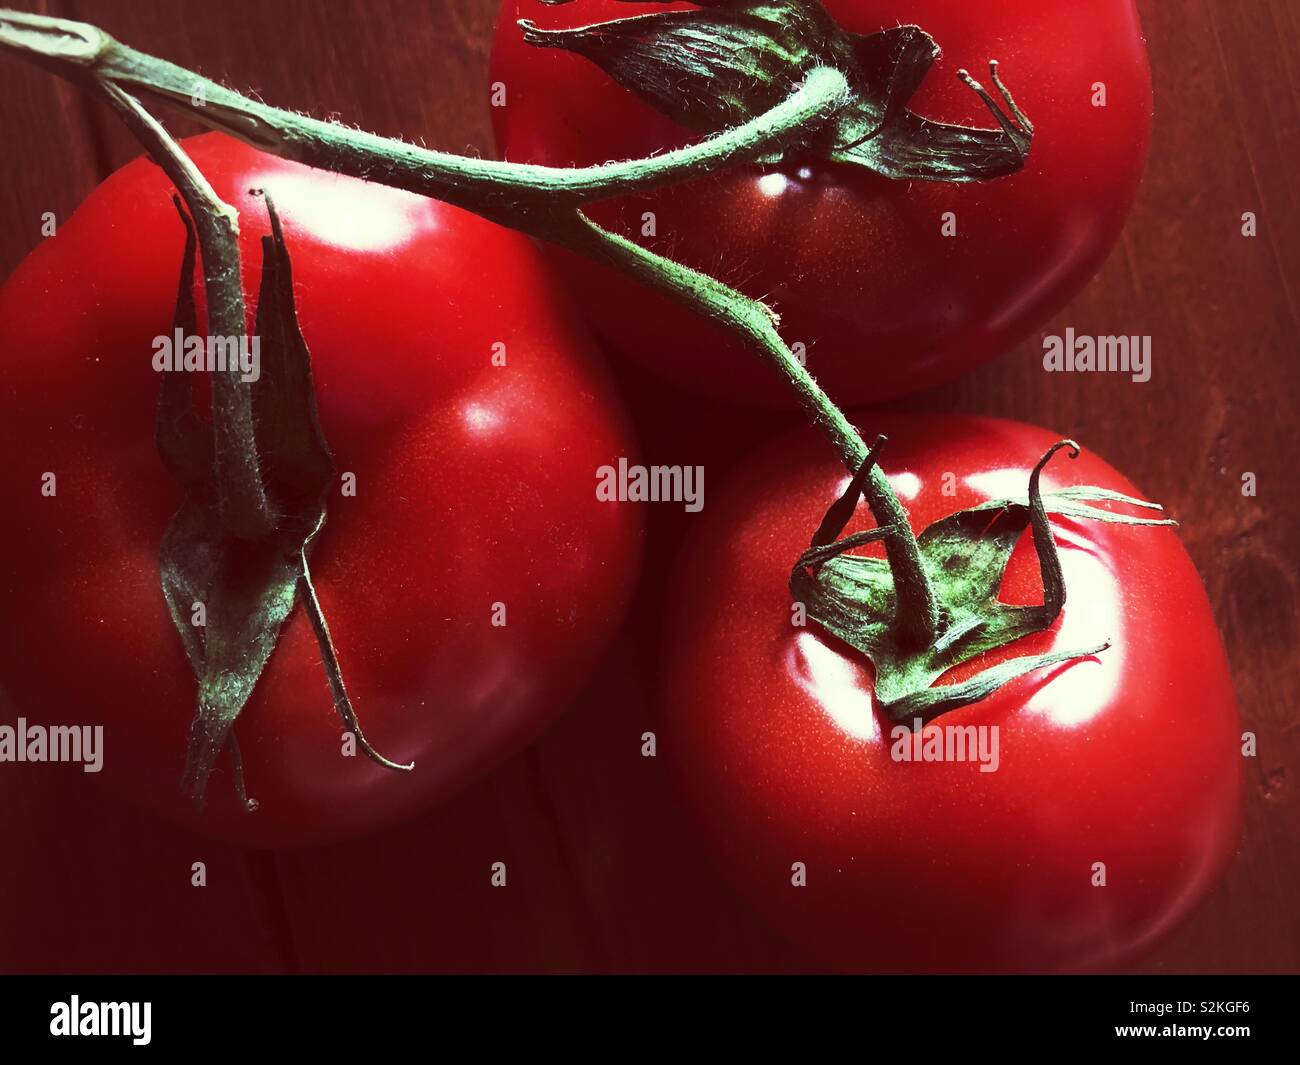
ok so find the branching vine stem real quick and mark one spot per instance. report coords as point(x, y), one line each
point(916, 606)
point(543, 201)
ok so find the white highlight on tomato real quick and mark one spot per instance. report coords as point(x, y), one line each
point(348, 214)
point(839, 684)
point(480, 419)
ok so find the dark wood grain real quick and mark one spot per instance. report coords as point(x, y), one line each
point(590, 830)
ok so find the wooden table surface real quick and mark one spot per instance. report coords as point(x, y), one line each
point(614, 879)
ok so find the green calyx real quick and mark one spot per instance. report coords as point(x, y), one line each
point(715, 68)
point(229, 592)
point(964, 557)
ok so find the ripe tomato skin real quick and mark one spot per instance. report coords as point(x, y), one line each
point(1130, 758)
point(857, 265)
point(475, 485)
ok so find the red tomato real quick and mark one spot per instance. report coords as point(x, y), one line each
point(475, 485)
point(857, 265)
point(1130, 758)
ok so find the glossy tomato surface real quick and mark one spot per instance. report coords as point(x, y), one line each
point(474, 486)
point(857, 265)
point(1129, 758)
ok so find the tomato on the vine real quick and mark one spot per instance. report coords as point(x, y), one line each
point(888, 286)
point(467, 570)
point(1103, 801)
